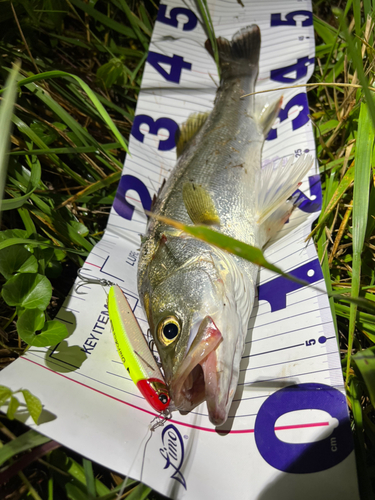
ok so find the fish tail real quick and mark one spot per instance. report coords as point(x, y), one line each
point(239, 57)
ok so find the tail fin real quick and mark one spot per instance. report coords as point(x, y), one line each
point(240, 57)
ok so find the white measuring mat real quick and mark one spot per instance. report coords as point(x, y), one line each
point(288, 433)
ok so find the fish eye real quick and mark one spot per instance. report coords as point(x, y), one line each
point(168, 330)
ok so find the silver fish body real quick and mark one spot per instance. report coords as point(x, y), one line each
point(198, 299)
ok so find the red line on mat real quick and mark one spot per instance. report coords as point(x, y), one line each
point(218, 431)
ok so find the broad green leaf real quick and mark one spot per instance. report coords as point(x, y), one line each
point(17, 259)
point(33, 404)
point(80, 228)
point(5, 394)
point(24, 442)
point(112, 72)
point(12, 408)
point(29, 322)
point(31, 291)
point(52, 333)
point(12, 233)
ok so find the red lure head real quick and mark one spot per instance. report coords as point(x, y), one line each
point(155, 392)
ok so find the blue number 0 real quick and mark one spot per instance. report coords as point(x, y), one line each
point(303, 458)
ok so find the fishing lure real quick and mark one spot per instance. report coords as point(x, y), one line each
point(135, 352)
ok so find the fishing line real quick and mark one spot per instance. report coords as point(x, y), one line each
point(127, 477)
point(159, 421)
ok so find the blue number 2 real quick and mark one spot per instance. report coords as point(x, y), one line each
point(121, 205)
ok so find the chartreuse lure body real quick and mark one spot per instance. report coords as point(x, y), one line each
point(134, 351)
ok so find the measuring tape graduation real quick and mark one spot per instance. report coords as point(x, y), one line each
point(288, 432)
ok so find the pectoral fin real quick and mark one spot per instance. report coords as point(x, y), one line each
point(188, 130)
point(278, 184)
point(199, 204)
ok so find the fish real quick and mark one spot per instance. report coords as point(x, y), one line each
point(198, 299)
point(134, 351)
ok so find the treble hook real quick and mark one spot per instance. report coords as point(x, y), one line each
point(90, 281)
point(160, 419)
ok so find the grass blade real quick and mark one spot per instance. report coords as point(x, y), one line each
point(6, 113)
point(362, 175)
point(205, 13)
point(90, 479)
point(356, 59)
point(103, 19)
point(344, 185)
point(28, 440)
point(35, 176)
point(90, 94)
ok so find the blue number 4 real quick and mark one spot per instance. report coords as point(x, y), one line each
point(176, 63)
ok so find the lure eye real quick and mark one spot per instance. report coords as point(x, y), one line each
point(168, 330)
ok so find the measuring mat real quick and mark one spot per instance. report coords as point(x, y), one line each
point(288, 434)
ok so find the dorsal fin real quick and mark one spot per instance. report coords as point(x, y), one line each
point(189, 129)
point(199, 204)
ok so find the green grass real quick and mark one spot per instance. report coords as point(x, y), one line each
point(81, 69)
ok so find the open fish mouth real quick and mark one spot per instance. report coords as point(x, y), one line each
point(196, 379)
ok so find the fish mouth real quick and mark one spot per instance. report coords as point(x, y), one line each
point(197, 378)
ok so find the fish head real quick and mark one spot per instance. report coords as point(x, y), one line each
point(196, 324)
